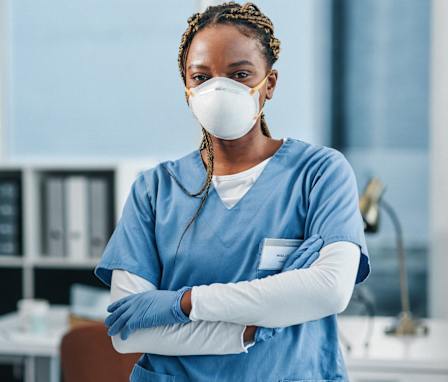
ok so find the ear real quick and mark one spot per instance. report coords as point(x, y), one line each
point(271, 83)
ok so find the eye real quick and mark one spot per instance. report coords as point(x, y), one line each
point(241, 75)
point(199, 77)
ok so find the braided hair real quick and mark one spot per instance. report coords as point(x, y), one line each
point(253, 23)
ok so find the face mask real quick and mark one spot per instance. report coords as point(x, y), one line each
point(226, 108)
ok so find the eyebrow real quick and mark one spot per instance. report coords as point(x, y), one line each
point(199, 66)
point(242, 62)
point(232, 65)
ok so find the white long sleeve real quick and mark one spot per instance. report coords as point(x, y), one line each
point(194, 338)
point(286, 298)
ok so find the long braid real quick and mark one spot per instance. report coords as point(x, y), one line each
point(249, 18)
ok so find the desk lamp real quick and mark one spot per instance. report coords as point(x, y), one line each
point(369, 203)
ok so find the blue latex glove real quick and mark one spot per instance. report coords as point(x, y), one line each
point(302, 257)
point(144, 310)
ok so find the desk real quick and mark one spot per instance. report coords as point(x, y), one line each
point(388, 359)
point(27, 348)
point(394, 359)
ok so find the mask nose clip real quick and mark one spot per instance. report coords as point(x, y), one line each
point(188, 92)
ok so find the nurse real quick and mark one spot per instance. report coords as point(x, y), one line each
point(232, 262)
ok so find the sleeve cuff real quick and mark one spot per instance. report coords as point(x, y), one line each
point(245, 345)
point(176, 309)
point(193, 315)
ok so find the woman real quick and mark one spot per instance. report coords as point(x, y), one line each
point(242, 279)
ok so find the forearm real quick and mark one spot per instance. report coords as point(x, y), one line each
point(284, 299)
point(194, 338)
point(185, 304)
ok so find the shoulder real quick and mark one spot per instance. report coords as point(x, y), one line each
point(151, 179)
point(317, 159)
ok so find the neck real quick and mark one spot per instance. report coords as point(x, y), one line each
point(231, 156)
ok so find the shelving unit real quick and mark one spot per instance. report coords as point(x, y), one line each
point(32, 273)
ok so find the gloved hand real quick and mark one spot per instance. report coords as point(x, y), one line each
point(302, 257)
point(305, 254)
point(144, 310)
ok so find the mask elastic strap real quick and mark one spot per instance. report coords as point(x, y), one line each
point(188, 92)
point(255, 88)
point(259, 113)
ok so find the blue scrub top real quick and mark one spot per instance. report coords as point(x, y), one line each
point(304, 189)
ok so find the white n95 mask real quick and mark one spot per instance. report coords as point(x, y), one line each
point(226, 108)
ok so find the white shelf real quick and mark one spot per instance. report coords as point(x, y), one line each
point(88, 164)
point(63, 262)
point(31, 172)
point(46, 261)
point(7, 261)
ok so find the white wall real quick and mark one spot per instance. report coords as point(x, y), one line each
point(300, 106)
point(4, 24)
point(100, 79)
point(438, 284)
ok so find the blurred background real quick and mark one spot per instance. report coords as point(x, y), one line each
point(91, 93)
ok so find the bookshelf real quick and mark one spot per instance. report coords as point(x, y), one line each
point(31, 272)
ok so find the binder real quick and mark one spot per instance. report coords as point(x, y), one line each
point(8, 190)
point(8, 247)
point(55, 232)
point(9, 217)
point(8, 228)
point(77, 222)
point(98, 215)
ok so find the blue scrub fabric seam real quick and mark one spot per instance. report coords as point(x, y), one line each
point(152, 278)
point(333, 238)
point(364, 253)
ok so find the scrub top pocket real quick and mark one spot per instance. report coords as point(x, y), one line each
point(272, 253)
point(140, 374)
point(309, 380)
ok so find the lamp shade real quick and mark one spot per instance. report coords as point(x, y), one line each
point(369, 204)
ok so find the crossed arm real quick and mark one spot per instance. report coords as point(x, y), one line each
point(193, 338)
point(221, 312)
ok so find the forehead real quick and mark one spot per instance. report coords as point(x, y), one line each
point(222, 44)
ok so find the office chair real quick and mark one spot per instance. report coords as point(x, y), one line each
point(87, 355)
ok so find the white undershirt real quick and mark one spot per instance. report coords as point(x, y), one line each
point(232, 188)
point(220, 312)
